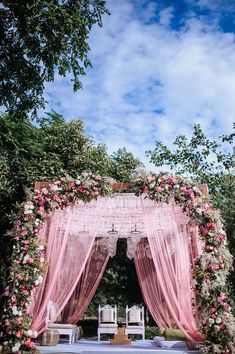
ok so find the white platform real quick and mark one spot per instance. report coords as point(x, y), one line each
point(92, 347)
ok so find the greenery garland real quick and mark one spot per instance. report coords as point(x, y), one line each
point(28, 265)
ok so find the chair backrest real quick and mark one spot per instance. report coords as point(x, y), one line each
point(107, 314)
point(135, 315)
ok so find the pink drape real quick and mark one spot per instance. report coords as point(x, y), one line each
point(87, 285)
point(165, 278)
point(68, 248)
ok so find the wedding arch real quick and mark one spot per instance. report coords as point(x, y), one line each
point(176, 218)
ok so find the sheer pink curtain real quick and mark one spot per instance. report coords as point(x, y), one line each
point(68, 247)
point(87, 285)
point(166, 278)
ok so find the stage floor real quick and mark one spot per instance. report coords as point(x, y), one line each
point(91, 347)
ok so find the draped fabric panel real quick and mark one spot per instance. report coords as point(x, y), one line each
point(169, 272)
point(152, 294)
point(87, 284)
point(76, 261)
point(68, 247)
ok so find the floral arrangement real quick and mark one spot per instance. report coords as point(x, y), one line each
point(212, 268)
point(29, 265)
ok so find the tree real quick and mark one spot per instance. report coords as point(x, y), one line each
point(39, 38)
point(205, 161)
point(124, 163)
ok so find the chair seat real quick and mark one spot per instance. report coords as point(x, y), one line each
point(134, 327)
point(61, 325)
point(107, 325)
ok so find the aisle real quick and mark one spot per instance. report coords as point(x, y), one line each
point(92, 347)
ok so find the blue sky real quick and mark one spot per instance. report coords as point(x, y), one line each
point(158, 68)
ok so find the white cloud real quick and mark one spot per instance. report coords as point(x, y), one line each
point(150, 82)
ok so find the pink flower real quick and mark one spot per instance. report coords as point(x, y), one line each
point(220, 238)
point(158, 189)
point(81, 188)
point(189, 193)
point(30, 260)
point(145, 189)
point(45, 191)
point(221, 298)
point(216, 267)
point(6, 291)
point(56, 197)
point(211, 225)
point(183, 189)
point(222, 326)
point(150, 179)
point(19, 333)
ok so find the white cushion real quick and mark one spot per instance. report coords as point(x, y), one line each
point(61, 325)
point(107, 315)
point(134, 327)
point(173, 344)
point(134, 316)
point(158, 339)
point(107, 325)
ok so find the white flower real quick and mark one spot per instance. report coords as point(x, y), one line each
point(211, 321)
point(29, 333)
point(199, 211)
point(218, 320)
point(28, 211)
point(17, 345)
point(56, 188)
point(20, 313)
point(35, 334)
point(38, 280)
point(14, 349)
point(41, 247)
point(37, 222)
point(14, 310)
point(26, 257)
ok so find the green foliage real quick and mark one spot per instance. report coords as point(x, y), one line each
point(119, 285)
point(151, 332)
point(124, 163)
point(38, 39)
point(206, 161)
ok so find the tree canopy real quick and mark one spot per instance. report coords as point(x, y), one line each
point(206, 161)
point(38, 39)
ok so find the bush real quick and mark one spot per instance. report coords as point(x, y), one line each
point(152, 331)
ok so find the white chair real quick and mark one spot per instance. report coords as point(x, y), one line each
point(63, 329)
point(107, 320)
point(135, 321)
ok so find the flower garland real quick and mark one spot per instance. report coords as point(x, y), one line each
point(212, 268)
point(28, 266)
